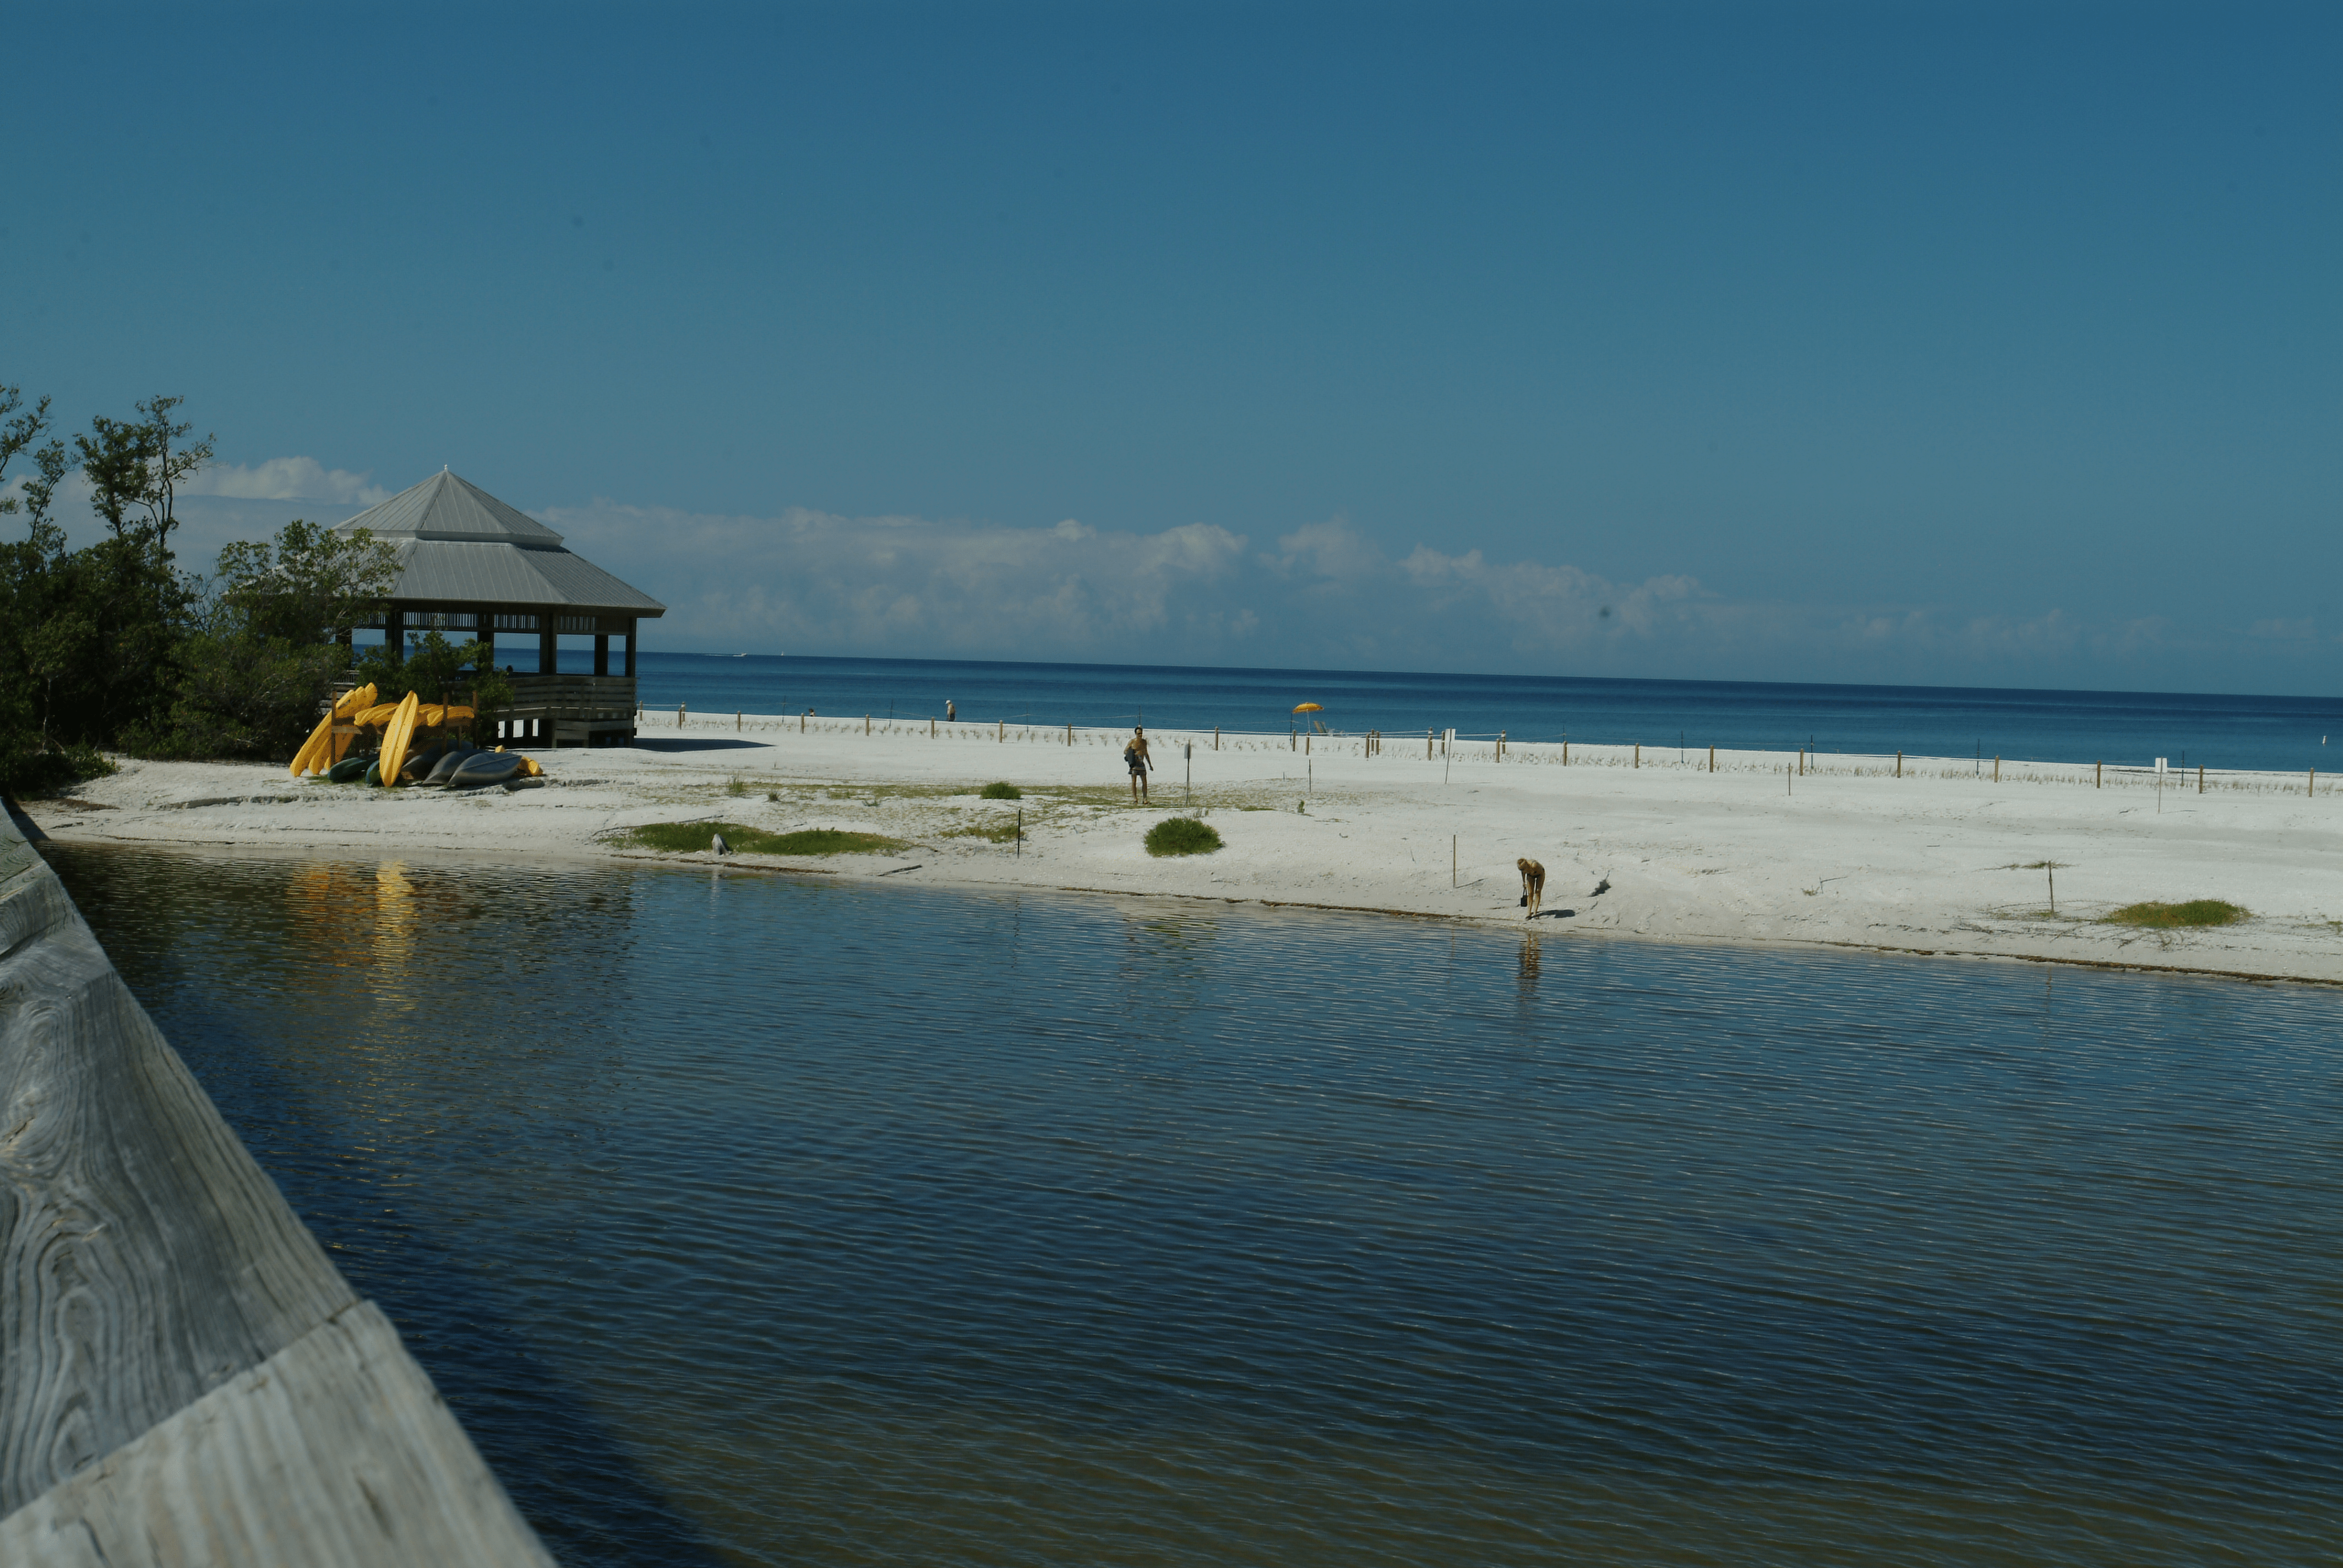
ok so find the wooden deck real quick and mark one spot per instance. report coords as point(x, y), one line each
point(571, 710)
point(188, 1379)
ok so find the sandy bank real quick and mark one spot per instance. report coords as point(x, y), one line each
point(1848, 855)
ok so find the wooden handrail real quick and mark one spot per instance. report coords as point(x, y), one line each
point(189, 1379)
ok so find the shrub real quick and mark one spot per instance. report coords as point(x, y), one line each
point(28, 772)
point(1183, 835)
point(1002, 791)
point(2168, 917)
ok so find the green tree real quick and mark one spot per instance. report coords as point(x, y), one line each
point(434, 668)
point(134, 469)
point(48, 629)
point(266, 643)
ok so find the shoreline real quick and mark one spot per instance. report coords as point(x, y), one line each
point(1937, 862)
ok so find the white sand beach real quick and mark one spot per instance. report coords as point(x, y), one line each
point(1849, 855)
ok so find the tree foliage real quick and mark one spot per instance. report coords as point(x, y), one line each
point(265, 642)
point(439, 670)
point(112, 646)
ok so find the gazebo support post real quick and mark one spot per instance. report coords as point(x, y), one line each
point(631, 624)
point(549, 644)
point(601, 653)
point(394, 632)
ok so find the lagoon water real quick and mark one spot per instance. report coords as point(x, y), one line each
point(2130, 728)
point(751, 1220)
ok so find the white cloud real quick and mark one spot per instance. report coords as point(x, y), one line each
point(812, 579)
point(286, 479)
point(1321, 594)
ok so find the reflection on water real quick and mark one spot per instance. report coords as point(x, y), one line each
point(747, 1220)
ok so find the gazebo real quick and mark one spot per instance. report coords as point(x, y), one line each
point(468, 563)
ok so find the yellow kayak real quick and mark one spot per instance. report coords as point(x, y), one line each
point(313, 756)
point(395, 739)
point(320, 740)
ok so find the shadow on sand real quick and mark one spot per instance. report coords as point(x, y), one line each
point(697, 743)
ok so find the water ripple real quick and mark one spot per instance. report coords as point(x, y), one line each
point(744, 1220)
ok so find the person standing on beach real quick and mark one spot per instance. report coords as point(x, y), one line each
point(1135, 754)
point(949, 711)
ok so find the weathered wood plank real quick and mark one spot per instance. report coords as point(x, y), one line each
point(147, 1263)
point(336, 1450)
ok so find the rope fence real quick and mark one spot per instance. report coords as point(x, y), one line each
point(1500, 750)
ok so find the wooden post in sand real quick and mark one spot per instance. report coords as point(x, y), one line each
point(1216, 737)
point(1899, 765)
point(866, 723)
point(1070, 735)
point(2098, 775)
point(1002, 734)
point(1711, 759)
point(1427, 746)
point(1996, 767)
point(678, 716)
point(1639, 755)
point(2200, 779)
point(736, 723)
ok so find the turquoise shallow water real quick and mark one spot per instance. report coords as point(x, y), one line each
point(746, 1220)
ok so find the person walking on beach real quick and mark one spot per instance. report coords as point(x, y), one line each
point(1135, 754)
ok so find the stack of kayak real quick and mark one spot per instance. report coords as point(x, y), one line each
point(400, 758)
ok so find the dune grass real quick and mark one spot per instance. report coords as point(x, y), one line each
point(1003, 790)
point(1183, 835)
point(2170, 917)
point(687, 838)
point(991, 832)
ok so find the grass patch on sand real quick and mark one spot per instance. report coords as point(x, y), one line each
point(690, 837)
point(2171, 916)
point(1183, 835)
point(991, 832)
point(1003, 790)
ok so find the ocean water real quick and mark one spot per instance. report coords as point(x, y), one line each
point(2284, 733)
point(747, 1220)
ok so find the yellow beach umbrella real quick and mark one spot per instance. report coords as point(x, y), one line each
point(1309, 707)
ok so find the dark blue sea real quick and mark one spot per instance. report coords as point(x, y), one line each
point(2283, 733)
point(747, 1220)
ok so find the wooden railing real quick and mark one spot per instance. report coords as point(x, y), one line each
point(188, 1378)
point(559, 709)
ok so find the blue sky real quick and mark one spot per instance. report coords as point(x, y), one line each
point(1880, 342)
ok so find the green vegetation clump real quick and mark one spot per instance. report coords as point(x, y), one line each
point(991, 832)
point(2169, 916)
point(1183, 835)
point(1001, 791)
point(688, 837)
